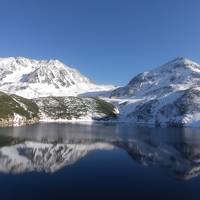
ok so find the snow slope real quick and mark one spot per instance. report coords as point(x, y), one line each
point(32, 78)
point(168, 95)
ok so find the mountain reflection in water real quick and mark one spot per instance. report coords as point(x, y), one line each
point(51, 147)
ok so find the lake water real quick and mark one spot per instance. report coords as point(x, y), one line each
point(99, 161)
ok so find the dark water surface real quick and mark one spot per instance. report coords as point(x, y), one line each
point(99, 161)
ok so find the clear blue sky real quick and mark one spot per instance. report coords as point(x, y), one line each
point(110, 41)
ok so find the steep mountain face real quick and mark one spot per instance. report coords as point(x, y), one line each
point(74, 108)
point(168, 95)
point(179, 74)
point(16, 111)
point(32, 78)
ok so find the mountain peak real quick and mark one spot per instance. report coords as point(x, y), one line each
point(35, 78)
point(182, 60)
point(180, 73)
point(177, 63)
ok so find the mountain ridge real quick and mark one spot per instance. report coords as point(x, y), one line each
point(32, 78)
point(167, 95)
point(174, 70)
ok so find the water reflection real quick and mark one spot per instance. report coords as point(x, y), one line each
point(50, 147)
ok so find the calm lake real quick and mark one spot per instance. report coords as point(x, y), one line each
point(99, 161)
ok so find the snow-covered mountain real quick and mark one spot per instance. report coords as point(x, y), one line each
point(176, 75)
point(32, 78)
point(168, 95)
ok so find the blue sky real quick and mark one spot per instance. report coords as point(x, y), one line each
point(110, 41)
